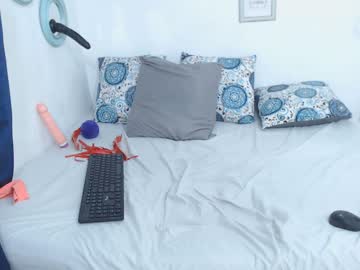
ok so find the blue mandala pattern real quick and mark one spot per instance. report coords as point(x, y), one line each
point(229, 63)
point(281, 117)
point(271, 106)
point(234, 97)
point(99, 102)
point(115, 73)
point(129, 96)
point(338, 109)
point(117, 86)
point(119, 104)
point(247, 120)
point(315, 83)
point(307, 114)
point(107, 114)
point(300, 105)
point(277, 88)
point(306, 92)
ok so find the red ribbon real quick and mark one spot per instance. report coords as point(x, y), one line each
point(93, 149)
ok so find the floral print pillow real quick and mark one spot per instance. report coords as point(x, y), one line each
point(303, 104)
point(117, 86)
point(236, 90)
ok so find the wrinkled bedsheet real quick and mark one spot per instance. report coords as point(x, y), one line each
point(246, 199)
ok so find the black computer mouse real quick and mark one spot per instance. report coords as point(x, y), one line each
point(345, 220)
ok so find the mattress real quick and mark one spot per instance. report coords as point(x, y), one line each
point(245, 199)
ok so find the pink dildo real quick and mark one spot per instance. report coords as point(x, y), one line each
point(51, 125)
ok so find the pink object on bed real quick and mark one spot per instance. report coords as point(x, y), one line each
point(51, 125)
point(16, 189)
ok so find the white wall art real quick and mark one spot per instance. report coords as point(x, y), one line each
point(257, 10)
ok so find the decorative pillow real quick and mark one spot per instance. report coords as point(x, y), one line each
point(304, 104)
point(236, 91)
point(117, 86)
point(175, 101)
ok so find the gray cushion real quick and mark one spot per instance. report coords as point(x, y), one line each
point(174, 101)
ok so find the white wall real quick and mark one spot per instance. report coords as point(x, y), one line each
point(40, 73)
point(311, 39)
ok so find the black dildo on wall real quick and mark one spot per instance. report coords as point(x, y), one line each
point(60, 28)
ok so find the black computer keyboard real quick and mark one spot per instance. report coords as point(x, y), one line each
point(103, 194)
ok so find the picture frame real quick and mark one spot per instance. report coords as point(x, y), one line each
point(257, 10)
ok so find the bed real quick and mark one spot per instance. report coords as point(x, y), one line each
point(246, 199)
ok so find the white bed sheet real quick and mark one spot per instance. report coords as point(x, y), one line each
point(246, 199)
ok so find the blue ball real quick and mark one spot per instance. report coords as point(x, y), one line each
point(90, 129)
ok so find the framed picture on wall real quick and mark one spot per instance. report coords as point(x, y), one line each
point(257, 10)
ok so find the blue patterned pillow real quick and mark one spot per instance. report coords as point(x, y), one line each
point(303, 104)
point(117, 86)
point(236, 90)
